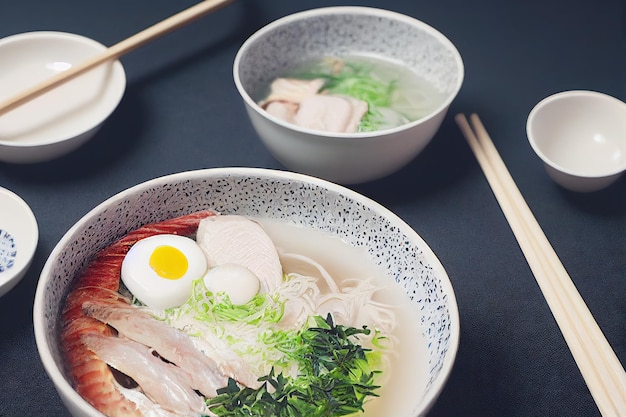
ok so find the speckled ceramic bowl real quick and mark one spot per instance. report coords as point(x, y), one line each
point(260, 193)
point(288, 43)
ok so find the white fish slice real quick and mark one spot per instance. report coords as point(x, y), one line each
point(232, 239)
point(229, 363)
point(162, 382)
point(170, 343)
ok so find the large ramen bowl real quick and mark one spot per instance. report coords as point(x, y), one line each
point(286, 197)
point(347, 158)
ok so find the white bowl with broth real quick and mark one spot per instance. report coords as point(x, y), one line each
point(422, 62)
point(349, 234)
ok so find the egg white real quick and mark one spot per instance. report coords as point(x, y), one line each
point(147, 285)
point(234, 280)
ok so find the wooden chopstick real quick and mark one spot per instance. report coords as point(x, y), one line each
point(599, 366)
point(135, 41)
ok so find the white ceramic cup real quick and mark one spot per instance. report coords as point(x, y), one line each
point(581, 138)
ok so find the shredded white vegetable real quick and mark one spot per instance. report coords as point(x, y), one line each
point(260, 336)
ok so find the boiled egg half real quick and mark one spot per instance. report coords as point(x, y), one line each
point(159, 270)
point(234, 280)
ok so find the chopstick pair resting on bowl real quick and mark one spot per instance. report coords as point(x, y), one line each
point(123, 47)
point(600, 367)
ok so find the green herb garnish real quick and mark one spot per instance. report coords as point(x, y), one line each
point(334, 379)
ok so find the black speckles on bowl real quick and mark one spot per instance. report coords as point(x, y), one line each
point(340, 31)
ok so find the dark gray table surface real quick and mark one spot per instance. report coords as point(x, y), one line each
point(181, 111)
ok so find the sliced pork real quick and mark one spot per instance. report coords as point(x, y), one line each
point(304, 103)
point(232, 239)
point(292, 90)
point(330, 113)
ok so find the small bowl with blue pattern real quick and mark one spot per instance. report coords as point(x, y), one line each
point(350, 94)
point(19, 235)
point(424, 355)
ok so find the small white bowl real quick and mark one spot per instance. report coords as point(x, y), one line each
point(291, 41)
point(64, 118)
point(282, 196)
point(19, 235)
point(581, 138)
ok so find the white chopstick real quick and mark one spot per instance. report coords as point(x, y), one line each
point(600, 367)
point(139, 39)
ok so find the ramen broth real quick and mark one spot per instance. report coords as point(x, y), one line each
point(404, 370)
point(395, 94)
point(406, 378)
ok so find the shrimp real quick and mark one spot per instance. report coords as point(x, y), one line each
point(92, 377)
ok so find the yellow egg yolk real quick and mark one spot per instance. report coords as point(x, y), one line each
point(168, 262)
